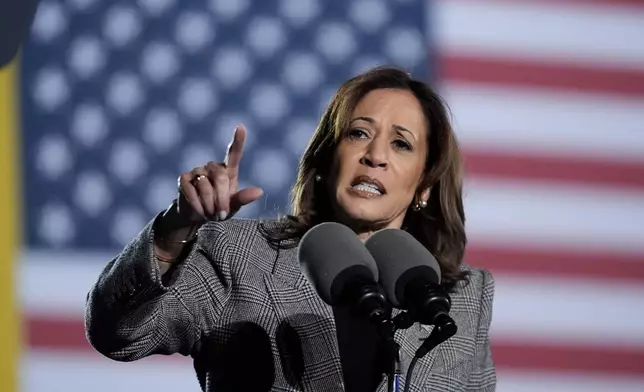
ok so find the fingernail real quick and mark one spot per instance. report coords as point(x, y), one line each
point(222, 215)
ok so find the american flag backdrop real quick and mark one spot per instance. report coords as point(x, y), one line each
point(118, 97)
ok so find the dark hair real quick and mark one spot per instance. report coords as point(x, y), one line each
point(440, 227)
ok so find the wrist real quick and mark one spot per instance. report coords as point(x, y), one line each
point(172, 232)
point(171, 220)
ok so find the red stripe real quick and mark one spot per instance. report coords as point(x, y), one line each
point(68, 335)
point(553, 168)
point(533, 73)
point(49, 332)
point(567, 264)
point(615, 361)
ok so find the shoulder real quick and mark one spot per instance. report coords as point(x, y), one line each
point(238, 230)
point(479, 278)
point(243, 240)
point(477, 291)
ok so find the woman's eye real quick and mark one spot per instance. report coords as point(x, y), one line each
point(402, 145)
point(357, 133)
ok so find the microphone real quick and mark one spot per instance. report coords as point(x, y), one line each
point(15, 21)
point(342, 270)
point(410, 276)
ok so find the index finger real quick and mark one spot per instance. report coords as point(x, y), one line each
point(235, 150)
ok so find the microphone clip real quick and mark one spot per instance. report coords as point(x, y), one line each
point(433, 309)
point(427, 303)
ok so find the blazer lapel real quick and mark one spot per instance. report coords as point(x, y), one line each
point(306, 336)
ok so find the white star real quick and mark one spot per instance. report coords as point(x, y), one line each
point(194, 31)
point(232, 67)
point(303, 72)
point(86, 56)
point(266, 36)
point(127, 223)
point(299, 12)
point(269, 103)
point(156, 7)
point(89, 124)
point(125, 93)
point(122, 25)
point(197, 98)
point(92, 193)
point(228, 10)
point(51, 88)
point(159, 61)
point(162, 129)
point(53, 156)
point(49, 22)
point(271, 169)
point(56, 224)
point(127, 161)
point(336, 41)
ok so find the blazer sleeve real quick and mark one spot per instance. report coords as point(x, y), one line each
point(131, 312)
point(483, 375)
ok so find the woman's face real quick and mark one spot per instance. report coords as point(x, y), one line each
point(380, 160)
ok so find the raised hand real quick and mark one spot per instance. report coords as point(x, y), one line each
point(211, 192)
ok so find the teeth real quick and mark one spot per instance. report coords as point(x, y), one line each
point(363, 186)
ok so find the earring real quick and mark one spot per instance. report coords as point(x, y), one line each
point(318, 178)
point(420, 205)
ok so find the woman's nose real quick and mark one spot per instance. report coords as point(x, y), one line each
point(375, 156)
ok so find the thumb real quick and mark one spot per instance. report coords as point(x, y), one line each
point(245, 196)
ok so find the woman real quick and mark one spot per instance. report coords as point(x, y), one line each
point(233, 297)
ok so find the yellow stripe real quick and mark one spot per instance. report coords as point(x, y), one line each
point(10, 228)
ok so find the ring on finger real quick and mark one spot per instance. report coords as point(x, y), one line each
point(197, 178)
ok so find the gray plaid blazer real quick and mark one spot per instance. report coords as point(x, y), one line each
point(251, 322)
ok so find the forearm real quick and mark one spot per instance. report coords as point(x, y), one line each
point(129, 305)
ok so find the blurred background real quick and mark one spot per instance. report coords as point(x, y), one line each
point(111, 100)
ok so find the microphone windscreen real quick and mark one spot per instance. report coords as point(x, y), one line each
point(401, 258)
point(331, 255)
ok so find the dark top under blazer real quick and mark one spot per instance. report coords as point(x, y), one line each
point(252, 322)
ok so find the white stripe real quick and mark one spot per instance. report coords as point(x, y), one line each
point(538, 213)
point(560, 382)
point(568, 311)
point(58, 371)
point(525, 120)
point(531, 308)
point(57, 283)
point(608, 35)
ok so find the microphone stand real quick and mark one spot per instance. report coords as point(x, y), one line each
point(372, 305)
point(387, 329)
point(370, 302)
point(444, 328)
